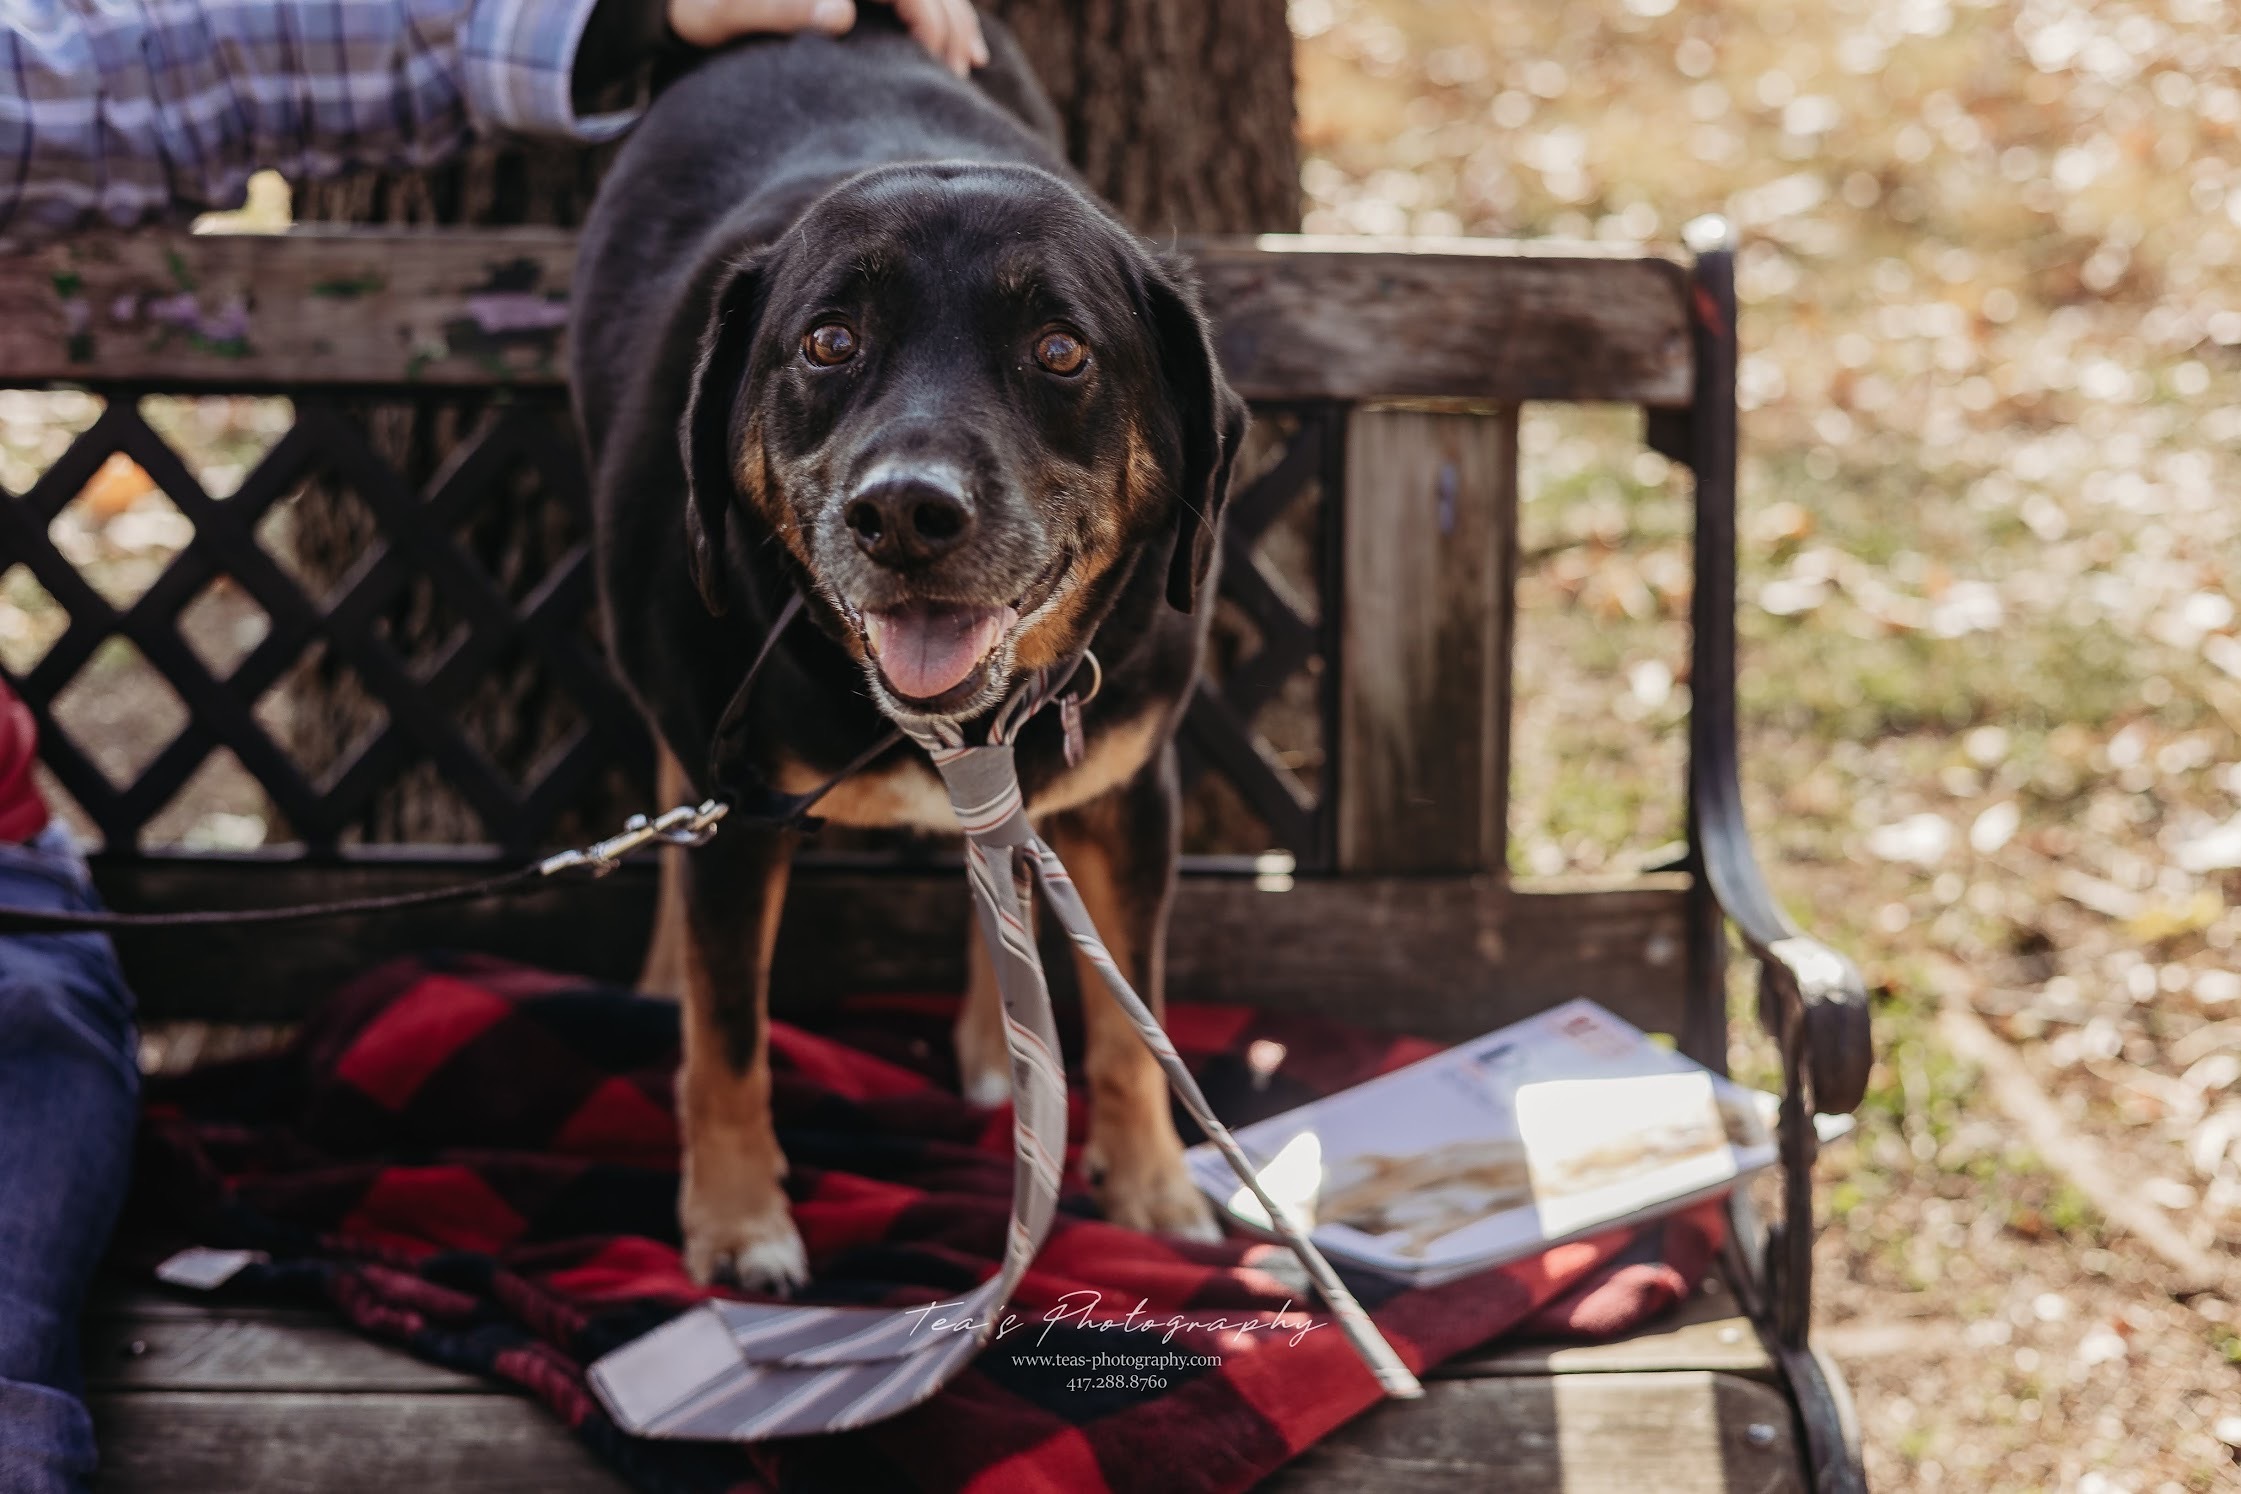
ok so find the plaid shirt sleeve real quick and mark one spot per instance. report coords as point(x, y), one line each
point(519, 58)
point(121, 111)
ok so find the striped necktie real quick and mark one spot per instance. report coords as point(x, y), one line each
point(743, 1372)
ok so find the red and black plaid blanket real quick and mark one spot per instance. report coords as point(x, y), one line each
point(478, 1161)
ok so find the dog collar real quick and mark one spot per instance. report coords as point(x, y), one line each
point(756, 802)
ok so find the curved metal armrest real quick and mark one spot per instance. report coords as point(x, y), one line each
point(1813, 990)
point(1809, 994)
point(1810, 997)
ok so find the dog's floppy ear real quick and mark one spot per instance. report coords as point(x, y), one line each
point(704, 434)
point(1212, 419)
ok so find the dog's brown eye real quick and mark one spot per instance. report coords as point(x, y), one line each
point(1061, 352)
point(829, 344)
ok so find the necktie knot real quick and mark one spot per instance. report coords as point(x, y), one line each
point(983, 784)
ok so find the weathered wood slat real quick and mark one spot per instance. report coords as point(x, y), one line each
point(1429, 498)
point(221, 1397)
point(309, 308)
point(147, 1344)
point(141, 1340)
point(221, 1349)
point(1707, 1332)
point(186, 1442)
point(1445, 957)
point(1299, 318)
point(121, 1300)
point(1347, 319)
point(1686, 1432)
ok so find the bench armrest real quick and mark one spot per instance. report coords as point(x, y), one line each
point(1811, 999)
point(1805, 986)
point(1809, 994)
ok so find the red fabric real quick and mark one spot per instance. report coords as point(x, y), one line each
point(23, 813)
point(479, 1161)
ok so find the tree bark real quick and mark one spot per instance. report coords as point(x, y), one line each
point(1178, 112)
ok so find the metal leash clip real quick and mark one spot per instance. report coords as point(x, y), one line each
point(686, 825)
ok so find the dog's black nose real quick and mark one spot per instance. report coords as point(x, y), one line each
point(907, 521)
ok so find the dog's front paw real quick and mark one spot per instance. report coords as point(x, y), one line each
point(1153, 1193)
point(759, 1249)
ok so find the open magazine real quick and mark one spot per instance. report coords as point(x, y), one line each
point(1551, 1128)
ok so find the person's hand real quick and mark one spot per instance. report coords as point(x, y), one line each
point(947, 28)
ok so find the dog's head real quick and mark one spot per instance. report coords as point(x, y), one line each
point(965, 400)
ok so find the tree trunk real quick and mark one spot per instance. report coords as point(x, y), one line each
point(1179, 113)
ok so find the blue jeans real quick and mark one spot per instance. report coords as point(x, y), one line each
point(69, 1097)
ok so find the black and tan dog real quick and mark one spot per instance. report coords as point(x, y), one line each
point(848, 327)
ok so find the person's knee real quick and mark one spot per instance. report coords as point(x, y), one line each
point(46, 1440)
point(54, 1016)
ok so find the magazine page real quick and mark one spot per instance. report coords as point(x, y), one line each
point(1556, 1126)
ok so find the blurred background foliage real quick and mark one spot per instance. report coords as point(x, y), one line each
point(1991, 318)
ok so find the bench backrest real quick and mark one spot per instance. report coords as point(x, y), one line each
point(1390, 374)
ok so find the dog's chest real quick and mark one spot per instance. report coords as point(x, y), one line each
point(910, 795)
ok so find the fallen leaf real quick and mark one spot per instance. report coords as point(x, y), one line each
point(1922, 839)
point(1995, 827)
point(117, 486)
point(2159, 921)
point(2218, 849)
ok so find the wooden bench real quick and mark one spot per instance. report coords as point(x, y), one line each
point(1392, 376)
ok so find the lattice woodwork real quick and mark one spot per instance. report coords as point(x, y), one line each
point(1276, 700)
point(418, 541)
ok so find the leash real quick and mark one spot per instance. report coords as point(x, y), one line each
point(756, 804)
point(748, 1372)
point(684, 825)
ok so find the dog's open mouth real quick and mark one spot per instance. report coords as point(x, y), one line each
point(924, 650)
point(932, 654)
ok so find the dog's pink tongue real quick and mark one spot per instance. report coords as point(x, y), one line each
point(924, 650)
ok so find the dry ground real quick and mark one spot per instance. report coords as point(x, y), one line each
point(1993, 682)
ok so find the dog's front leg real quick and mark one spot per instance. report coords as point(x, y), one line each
point(733, 1207)
point(1120, 850)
